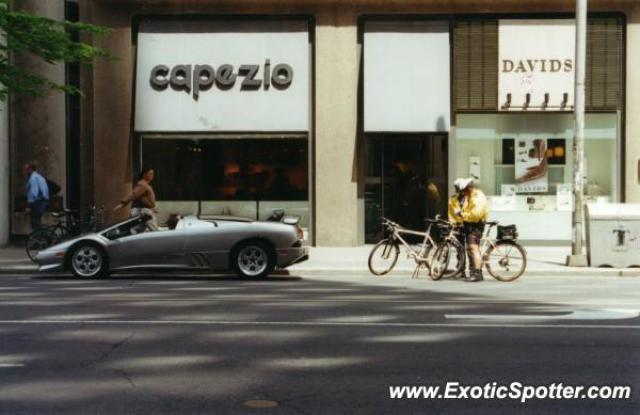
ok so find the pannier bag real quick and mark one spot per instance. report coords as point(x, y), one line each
point(441, 232)
point(509, 233)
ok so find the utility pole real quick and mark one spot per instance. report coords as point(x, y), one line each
point(5, 204)
point(577, 257)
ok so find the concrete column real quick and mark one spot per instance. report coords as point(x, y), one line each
point(632, 122)
point(336, 63)
point(38, 130)
point(111, 125)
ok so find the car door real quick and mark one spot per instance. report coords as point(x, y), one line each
point(149, 249)
point(210, 246)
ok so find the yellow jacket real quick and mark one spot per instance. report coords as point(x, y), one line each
point(474, 208)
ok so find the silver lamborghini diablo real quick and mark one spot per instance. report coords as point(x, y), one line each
point(250, 248)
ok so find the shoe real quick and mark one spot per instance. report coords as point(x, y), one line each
point(475, 276)
point(534, 172)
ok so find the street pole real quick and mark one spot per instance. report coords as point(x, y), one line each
point(577, 257)
point(5, 216)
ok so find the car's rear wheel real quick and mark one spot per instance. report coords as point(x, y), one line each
point(88, 260)
point(254, 260)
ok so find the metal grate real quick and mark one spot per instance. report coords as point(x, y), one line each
point(475, 65)
point(603, 84)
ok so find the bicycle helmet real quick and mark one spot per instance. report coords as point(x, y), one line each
point(462, 183)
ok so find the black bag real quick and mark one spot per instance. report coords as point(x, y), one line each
point(507, 233)
point(441, 232)
point(54, 188)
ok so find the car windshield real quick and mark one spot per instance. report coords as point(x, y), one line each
point(130, 227)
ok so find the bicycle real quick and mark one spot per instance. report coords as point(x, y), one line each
point(66, 226)
point(442, 258)
point(504, 259)
point(384, 255)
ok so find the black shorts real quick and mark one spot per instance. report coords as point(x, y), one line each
point(473, 232)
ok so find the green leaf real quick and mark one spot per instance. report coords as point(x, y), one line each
point(53, 41)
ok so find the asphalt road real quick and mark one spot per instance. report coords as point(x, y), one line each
point(310, 344)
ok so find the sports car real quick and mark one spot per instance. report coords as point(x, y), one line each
point(250, 248)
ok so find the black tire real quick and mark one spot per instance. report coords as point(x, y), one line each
point(448, 260)
point(254, 259)
point(88, 260)
point(387, 251)
point(506, 261)
point(39, 240)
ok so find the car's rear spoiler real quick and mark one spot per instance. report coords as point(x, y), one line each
point(291, 220)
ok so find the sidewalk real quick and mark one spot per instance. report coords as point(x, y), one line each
point(15, 260)
point(543, 261)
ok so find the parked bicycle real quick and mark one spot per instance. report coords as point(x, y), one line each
point(67, 225)
point(384, 255)
point(503, 258)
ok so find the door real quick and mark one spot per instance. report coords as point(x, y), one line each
point(150, 249)
point(406, 180)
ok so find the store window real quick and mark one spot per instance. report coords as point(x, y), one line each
point(244, 176)
point(524, 162)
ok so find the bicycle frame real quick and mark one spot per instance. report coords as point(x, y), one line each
point(486, 242)
point(398, 231)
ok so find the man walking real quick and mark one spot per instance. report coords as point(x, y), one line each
point(469, 208)
point(37, 195)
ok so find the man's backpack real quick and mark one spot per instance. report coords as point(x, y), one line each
point(54, 188)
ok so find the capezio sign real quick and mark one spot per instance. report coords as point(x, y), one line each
point(536, 65)
point(194, 79)
point(215, 76)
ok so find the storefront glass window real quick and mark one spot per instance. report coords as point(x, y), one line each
point(244, 177)
point(525, 161)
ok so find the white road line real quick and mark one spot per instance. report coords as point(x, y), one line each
point(604, 314)
point(2, 365)
point(307, 324)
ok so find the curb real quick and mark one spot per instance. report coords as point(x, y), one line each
point(604, 272)
point(582, 272)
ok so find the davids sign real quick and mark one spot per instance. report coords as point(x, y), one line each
point(536, 65)
point(196, 78)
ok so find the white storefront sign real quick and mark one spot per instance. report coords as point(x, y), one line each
point(406, 76)
point(233, 76)
point(536, 65)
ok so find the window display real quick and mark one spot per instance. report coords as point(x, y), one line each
point(242, 177)
point(526, 161)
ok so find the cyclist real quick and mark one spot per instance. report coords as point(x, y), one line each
point(469, 208)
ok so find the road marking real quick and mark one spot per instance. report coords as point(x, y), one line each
point(2, 365)
point(605, 314)
point(307, 324)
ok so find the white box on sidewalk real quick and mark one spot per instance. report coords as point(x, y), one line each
point(613, 235)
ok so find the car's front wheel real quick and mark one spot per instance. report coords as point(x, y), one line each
point(87, 260)
point(254, 260)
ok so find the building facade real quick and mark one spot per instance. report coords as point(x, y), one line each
point(341, 112)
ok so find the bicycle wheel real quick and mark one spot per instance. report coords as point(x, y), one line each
point(506, 261)
point(383, 257)
point(448, 260)
point(39, 240)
